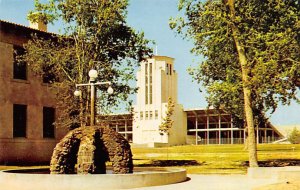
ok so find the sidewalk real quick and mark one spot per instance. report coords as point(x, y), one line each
point(214, 182)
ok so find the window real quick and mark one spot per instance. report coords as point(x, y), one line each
point(150, 95)
point(141, 115)
point(156, 114)
point(48, 120)
point(49, 75)
point(20, 68)
point(19, 120)
point(146, 69)
point(146, 115)
point(146, 84)
point(151, 115)
point(150, 90)
point(170, 69)
point(151, 69)
point(167, 68)
point(146, 94)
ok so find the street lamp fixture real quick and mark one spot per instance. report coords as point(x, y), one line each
point(93, 74)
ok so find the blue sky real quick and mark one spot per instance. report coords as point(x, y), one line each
point(152, 17)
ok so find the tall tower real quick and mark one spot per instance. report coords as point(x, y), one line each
point(156, 82)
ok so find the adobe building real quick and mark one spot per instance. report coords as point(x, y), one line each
point(27, 105)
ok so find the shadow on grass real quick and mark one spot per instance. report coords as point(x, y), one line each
point(165, 163)
point(276, 163)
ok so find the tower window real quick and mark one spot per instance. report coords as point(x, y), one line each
point(170, 69)
point(150, 94)
point(150, 90)
point(19, 120)
point(146, 94)
point(146, 84)
point(146, 69)
point(167, 68)
point(150, 114)
point(156, 114)
point(147, 117)
point(141, 115)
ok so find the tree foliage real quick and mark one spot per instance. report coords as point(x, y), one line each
point(294, 136)
point(95, 35)
point(167, 122)
point(252, 53)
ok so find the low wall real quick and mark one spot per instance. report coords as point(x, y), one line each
point(139, 178)
point(277, 173)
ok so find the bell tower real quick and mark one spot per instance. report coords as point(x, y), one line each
point(156, 82)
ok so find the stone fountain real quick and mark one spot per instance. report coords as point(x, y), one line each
point(86, 149)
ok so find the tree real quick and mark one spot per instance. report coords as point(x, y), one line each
point(95, 35)
point(167, 122)
point(294, 136)
point(252, 57)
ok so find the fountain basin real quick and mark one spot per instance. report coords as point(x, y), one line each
point(34, 179)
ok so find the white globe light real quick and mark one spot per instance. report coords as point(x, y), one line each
point(77, 93)
point(110, 90)
point(93, 74)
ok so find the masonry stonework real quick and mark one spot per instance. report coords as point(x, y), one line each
point(86, 149)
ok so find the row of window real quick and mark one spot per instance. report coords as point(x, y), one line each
point(20, 121)
point(20, 67)
point(148, 115)
point(168, 69)
point(148, 83)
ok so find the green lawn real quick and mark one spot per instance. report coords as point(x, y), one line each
point(221, 159)
point(208, 159)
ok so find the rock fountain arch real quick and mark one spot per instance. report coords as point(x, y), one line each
point(86, 149)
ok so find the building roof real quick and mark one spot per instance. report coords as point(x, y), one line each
point(202, 113)
point(286, 129)
point(4, 23)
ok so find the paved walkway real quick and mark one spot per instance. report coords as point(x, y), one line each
point(214, 182)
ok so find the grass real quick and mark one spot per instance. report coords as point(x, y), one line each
point(216, 159)
point(208, 159)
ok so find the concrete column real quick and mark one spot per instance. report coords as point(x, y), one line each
point(265, 134)
point(244, 136)
point(231, 131)
point(196, 126)
point(219, 129)
point(207, 124)
point(257, 135)
point(126, 129)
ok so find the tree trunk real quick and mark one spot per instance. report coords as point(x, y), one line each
point(246, 90)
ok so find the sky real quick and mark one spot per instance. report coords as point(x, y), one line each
point(152, 17)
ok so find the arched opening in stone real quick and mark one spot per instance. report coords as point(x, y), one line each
point(64, 158)
point(101, 154)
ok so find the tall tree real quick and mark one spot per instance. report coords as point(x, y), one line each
point(95, 36)
point(252, 55)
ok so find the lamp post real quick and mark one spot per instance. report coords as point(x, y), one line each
point(93, 74)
